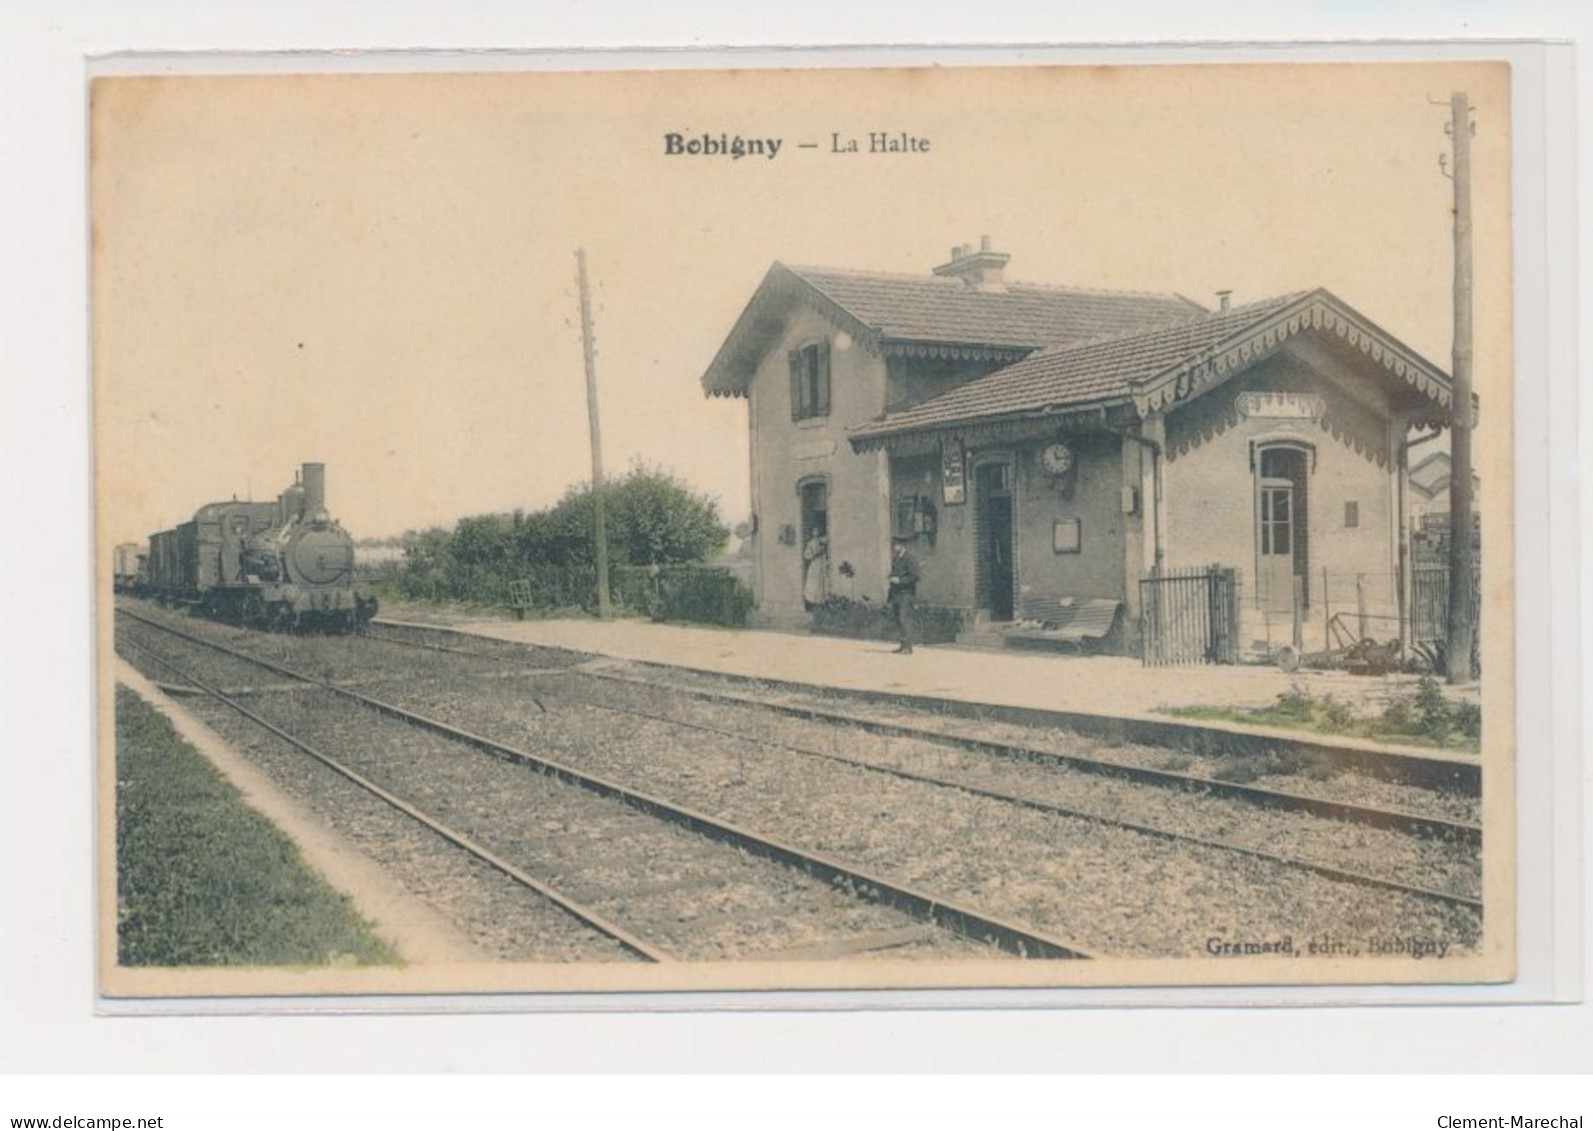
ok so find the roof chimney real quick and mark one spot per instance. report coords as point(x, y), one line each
point(1222, 299)
point(980, 270)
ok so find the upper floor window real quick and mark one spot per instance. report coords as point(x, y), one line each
point(810, 381)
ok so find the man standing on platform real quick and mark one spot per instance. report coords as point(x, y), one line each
point(903, 588)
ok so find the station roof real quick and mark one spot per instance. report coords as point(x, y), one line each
point(931, 315)
point(1153, 369)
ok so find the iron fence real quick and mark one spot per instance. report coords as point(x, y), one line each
point(1429, 603)
point(1189, 616)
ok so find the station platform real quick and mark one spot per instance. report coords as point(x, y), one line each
point(1116, 687)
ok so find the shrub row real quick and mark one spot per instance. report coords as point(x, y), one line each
point(694, 593)
point(865, 620)
point(700, 595)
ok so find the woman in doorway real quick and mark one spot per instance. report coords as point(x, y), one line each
point(815, 571)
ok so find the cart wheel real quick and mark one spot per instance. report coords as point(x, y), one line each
point(1286, 658)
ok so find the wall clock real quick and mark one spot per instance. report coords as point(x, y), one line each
point(1057, 458)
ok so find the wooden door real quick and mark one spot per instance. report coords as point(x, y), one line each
point(997, 581)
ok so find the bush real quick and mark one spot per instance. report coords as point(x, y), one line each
point(700, 595)
point(862, 620)
point(1433, 656)
point(1426, 714)
point(1421, 715)
point(865, 620)
point(1399, 717)
point(1335, 714)
point(1294, 703)
point(654, 520)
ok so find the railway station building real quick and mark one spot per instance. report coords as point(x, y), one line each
point(1061, 458)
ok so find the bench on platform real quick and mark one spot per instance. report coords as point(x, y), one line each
point(519, 597)
point(1079, 622)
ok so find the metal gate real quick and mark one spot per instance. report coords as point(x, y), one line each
point(1429, 607)
point(1189, 616)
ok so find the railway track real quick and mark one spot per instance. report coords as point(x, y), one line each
point(1008, 797)
point(1395, 820)
point(945, 915)
point(1417, 824)
point(1458, 833)
point(587, 915)
point(1021, 854)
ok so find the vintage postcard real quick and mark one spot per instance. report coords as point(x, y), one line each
point(829, 528)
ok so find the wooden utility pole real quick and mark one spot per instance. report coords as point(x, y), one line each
point(598, 519)
point(1462, 626)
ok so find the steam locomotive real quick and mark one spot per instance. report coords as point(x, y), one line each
point(280, 565)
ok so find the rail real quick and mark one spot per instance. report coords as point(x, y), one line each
point(1015, 938)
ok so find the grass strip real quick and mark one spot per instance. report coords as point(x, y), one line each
point(1421, 716)
point(204, 880)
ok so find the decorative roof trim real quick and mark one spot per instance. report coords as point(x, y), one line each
point(779, 281)
point(1017, 426)
point(906, 347)
point(1319, 310)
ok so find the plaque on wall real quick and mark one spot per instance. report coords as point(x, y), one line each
point(953, 488)
point(1067, 536)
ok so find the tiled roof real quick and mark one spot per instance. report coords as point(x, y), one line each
point(931, 308)
point(1094, 372)
point(929, 311)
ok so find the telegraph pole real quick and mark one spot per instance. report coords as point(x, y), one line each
point(603, 608)
point(1462, 626)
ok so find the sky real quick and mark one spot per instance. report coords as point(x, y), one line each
point(378, 272)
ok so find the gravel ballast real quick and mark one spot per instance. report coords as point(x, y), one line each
point(695, 898)
point(1112, 890)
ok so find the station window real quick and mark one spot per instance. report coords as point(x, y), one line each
point(1352, 513)
point(810, 381)
point(815, 499)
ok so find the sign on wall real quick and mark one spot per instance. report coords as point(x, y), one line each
point(1280, 406)
point(953, 485)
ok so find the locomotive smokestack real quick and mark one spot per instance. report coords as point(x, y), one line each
point(314, 487)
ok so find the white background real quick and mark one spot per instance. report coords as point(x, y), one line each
point(48, 1022)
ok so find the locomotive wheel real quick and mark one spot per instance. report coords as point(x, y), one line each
point(254, 610)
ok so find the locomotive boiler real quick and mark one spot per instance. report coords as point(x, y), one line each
point(284, 564)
